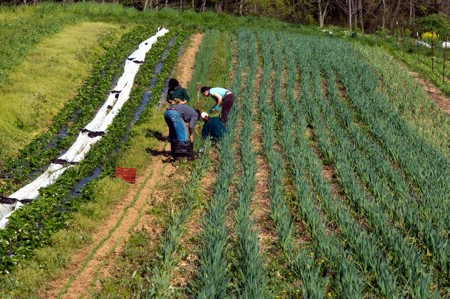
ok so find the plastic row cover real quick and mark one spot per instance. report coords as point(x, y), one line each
point(92, 133)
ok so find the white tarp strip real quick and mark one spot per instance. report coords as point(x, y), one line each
point(80, 148)
point(100, 123)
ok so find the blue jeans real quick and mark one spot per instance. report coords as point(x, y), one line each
point(177, 128)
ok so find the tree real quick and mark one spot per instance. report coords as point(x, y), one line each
point(322, 8)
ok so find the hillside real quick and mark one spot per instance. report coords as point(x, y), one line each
point(331, 181)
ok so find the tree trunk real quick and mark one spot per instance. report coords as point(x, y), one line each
point(322, 13)
point(319, 6)
point(410, 11)
point(219, 6)
point(383, 17)
point(350, 13)
point(394, 15)
point(361, 20)
point(241, 7)
point(147, 4)
point(203, 7)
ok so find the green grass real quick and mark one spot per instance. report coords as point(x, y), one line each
point(48, 78)
point(137, 153)
point(49, 261)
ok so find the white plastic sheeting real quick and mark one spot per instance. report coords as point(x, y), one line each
point(96, 128)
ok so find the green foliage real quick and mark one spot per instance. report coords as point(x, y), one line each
point(435, 22)
point(31, 226)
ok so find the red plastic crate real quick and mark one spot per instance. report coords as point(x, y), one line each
point(127, 174)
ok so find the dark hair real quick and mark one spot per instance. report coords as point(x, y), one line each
point(205, 88)
point(199, 114)
point(173, 83)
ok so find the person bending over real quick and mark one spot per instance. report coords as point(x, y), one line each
point(212, 127)
point(187, 115)
point(223, 97)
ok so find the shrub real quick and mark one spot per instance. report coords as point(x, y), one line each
point(433, 23)
point(428, 36)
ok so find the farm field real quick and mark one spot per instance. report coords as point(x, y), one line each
point(331, 181)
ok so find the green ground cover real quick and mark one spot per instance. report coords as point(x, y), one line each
point(337, 112)
point(39, 87)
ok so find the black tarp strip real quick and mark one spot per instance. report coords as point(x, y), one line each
point(11, 201)
point(92, 134)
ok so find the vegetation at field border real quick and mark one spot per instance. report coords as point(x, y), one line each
point(51, 204)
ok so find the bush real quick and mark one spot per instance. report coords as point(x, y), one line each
point(428, 36)
point(437, 23)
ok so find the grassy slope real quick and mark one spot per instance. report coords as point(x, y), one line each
point(48, 77)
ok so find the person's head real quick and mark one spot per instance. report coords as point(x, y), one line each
point(204, 116)
point(173, 83)
point(205, 90)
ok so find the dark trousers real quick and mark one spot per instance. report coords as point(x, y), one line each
point(227, 103)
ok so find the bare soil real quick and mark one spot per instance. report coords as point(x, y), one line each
point(111, 235)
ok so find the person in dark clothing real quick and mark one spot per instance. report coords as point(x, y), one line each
point(176, 91)
point(223, 97)
point(212, 127)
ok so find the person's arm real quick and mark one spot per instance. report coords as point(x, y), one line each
point(218, 103)
point(218, 97)
point(168, 96)
point(192, 122)
point(191, 134)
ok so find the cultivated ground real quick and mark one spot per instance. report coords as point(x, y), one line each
point(92, 263)
point(95, 262)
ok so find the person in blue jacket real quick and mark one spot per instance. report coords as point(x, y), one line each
point(223, 97)
point(212, 127)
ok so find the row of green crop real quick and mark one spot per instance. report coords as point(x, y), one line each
point(401, 205)
point(389, 189)
point(161, 273)
point(212, 278)
point(251, 275)
point(362, 244)
point(426, 167)
point(299, 259)
point(77, 112)
point(32, 225)
point(409, 97)
point(349, 281)
point(408, 258)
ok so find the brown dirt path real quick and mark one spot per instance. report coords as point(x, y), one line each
point(126, 216)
